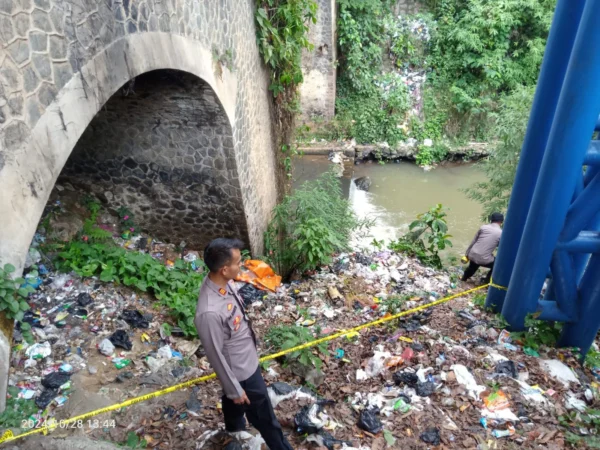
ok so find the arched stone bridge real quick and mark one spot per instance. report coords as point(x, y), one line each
point(159, 105)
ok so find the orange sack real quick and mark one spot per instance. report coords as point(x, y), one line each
point(260, 275)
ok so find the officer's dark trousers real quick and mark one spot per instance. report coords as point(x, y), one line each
point(259, 413)
point(472, 268)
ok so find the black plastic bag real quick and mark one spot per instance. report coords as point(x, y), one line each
point(77, 311)
point(55, 380)
point(124, 376)
point(425, 389)
point(303, 422)
point(120, 338)
point(250, 294)
point(84, 299)
point(332, 443)
point(45, 398)
point(507, 368)
point(134, 318)
point(431, 436)
point(282, 388)
point(363, 259)
point(369, 421)
point(408, 378)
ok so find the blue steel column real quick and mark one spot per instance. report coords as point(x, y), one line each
point(583, 333)
point(554, 66)
point(569, 138)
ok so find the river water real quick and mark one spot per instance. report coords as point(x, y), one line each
point(400, 191)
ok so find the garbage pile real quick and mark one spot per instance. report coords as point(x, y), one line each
point(449, 375)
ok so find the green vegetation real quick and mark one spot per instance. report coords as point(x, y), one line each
point(538, 333)
point(427, 237)
point(476, 56)
point(177, 289)
point(284, 337)
point(371, 103)
point(91, 231)
point(575, 421)
point(282, 34)
point(482, 51)
point(500, 168)
point(13, 297)
point(17, 410)
point(309, 226)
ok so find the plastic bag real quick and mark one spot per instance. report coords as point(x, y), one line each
point(368, 421)
point(496, 401)
point(408, 378)
point(425, 389)
point(250, 294)
point(84, 299)
point(45, 398)
point(55, 380)
point(106, 347)
point(234, 445)
point(120, 338)
point(134, 318)
point(431, 436)
point(507, 368)
point(307, 420)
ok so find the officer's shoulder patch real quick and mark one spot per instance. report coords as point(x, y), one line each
point(222, 291)
point(229, 306)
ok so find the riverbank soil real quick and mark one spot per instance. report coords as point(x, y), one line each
point(446, 377)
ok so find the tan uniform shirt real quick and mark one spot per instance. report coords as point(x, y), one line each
point(226, 335)
point(481, 250)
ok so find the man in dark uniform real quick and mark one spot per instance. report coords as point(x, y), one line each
point(230, 345)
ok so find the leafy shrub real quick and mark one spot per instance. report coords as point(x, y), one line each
point(484, 49)
point(375, 103)
point(539, 332)
point(13, 298)
point(432, 227)
point(427, 156)
point(501, 166)
point(284, 337)
point(309, 226)
point(16, 410)
point(177, 288)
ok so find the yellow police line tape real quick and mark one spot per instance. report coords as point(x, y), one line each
point(52, 424)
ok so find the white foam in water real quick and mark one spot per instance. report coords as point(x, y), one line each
point(362, 204)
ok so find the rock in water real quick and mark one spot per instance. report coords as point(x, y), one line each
point(363, 183)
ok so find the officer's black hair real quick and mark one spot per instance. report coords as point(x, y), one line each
point(218, 252)
point(496, 217)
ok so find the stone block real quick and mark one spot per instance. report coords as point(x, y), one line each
point(58, 47)
point(7, 32)
point(30, 79)
point(19, 51)
point(38, 41)
point(62, 74)
point(42, 65)
point(46, 94)
point(41, 21)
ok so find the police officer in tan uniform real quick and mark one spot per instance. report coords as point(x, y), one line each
point(230, 345)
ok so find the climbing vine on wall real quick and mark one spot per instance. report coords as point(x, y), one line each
point(282, 34)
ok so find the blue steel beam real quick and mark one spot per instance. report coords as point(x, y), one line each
point(564, 285)
point(562, 35)
point(573, 124)
point(583, 333)
point(592, 157)
point(585, 242)
point(582, 210)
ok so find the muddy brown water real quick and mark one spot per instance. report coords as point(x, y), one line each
point(400, 191)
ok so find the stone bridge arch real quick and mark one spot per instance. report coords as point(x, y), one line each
point(61, 61)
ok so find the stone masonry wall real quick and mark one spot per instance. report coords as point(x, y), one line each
point(46, 42)
point(61, 61)
point(163, 148)
point(317, 92)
